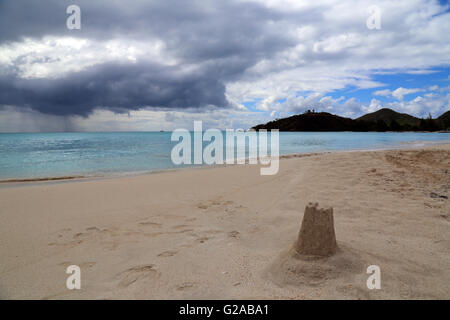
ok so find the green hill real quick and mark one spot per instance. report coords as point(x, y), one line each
point(444, 120)
point(310, 121)
point(381, 120)
point(388, 116)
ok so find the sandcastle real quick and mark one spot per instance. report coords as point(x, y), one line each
point(316, 236)
point(315, 257)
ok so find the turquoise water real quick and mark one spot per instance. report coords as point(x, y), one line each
point(34, 155)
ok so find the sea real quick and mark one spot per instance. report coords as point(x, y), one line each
point(49, 155)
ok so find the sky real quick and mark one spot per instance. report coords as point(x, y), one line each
point(140, 65)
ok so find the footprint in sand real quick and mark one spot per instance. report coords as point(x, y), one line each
point(150, 223)
point(226, 203)
point(185, 286)
point(89, 231)
point(233, 234)
point(62, 239)
point(81, 265)
point(92, 229)
point(214, 203)
point(67, 244)
point(180, 226)
point(169, 253)
point(202, 239)
point(131, 275)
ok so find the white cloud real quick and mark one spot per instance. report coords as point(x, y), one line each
point(433, 88)
point(421, 71)
point(374, 106)
point(400, 92)
point(267, 103)
point(52, 57)
point(421, 106)
point(336, 50)
point(384, 93)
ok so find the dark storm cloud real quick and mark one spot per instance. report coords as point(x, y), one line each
point(118, 87)
point(22, 18)
point(198, 29)
point(222, 38)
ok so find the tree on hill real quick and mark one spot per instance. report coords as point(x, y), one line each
point(381, 126)
point(428, 124)
point(395, 126)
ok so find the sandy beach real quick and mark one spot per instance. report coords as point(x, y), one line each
point(222, 233)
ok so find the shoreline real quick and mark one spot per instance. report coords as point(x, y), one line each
point(10, 182)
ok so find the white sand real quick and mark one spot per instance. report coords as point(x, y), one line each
point(222, 232)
